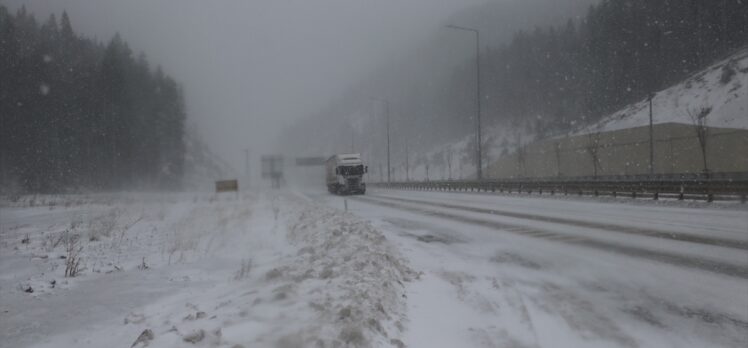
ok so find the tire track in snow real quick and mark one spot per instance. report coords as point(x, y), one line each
point(676, 236)
point(733, 270)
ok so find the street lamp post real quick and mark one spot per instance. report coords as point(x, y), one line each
point(246, 168)
point(478, 97)
point(407, 163)
point(353, 136)
point(651, 137)
point(387, 113)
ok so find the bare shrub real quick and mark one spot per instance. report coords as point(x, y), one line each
point(145, 337)
point(103, 226)
point(352, 336)
point(143, 266)
point(397, 343)
point(593, 149)
point(195, 336)
point(243, 272)
point(728, 72)
point(52, 240)
point(273, 274)
point(73, 249)
point(117, 240)
point(698, 117)
point(181, 244)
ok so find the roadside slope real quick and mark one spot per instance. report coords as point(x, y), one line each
point(267, 270)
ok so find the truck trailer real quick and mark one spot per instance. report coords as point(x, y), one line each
point(345, 174)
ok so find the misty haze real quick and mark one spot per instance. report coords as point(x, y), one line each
point(352, 173)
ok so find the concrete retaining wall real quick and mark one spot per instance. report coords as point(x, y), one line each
point(626, 152)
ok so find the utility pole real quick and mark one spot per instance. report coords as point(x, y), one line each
point(477, 99)
point(387, 106)
point(407, 163)
point(353, 135)
point(651, 137)
point(387, 118)
point(246, 168)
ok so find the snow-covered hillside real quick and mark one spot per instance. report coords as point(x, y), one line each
point(723, 87)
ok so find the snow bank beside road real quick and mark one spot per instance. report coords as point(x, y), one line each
point(221, 271)
point(360, 268)
point(309, 276)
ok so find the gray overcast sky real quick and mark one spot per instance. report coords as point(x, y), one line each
point(250, 66)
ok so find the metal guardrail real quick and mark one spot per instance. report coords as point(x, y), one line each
point(721, 188)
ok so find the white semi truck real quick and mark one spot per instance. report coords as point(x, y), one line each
point(345, 174)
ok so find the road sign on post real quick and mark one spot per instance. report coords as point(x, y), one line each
point(227, 186)
point(310, 161)
point(272, 168)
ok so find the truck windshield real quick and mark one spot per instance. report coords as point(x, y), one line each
point(352, 170)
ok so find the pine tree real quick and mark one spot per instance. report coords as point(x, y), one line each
point(77, 114)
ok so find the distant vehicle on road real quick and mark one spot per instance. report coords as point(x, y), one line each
point(345, 174)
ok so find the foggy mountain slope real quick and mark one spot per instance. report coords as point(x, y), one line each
point(722, 87)
point(549, 79)
point(500, 20)
point(546, 82)
point(419, 84)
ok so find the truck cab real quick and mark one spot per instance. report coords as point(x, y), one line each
point(345, 174)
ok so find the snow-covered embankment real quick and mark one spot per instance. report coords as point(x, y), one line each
point(269, 270)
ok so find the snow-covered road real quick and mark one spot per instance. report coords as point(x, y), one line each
point(525, 271)
point(401, 268)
